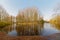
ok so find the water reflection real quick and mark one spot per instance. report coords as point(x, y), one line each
point(22, 30)
point(49, 29)
point(10, 30)
point(31, 30)
point(56, 26)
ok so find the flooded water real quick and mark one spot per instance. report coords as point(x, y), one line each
point(31, 30)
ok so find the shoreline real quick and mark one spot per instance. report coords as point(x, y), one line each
point(55, 36)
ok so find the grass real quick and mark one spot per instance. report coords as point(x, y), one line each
point(3, 24)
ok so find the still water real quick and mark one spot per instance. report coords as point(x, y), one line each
point(40, 29)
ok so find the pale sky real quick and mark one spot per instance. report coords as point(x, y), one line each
point(45, 6)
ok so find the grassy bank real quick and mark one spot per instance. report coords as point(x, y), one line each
point(3, 24)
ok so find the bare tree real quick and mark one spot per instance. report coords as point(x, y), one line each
point(29, 14)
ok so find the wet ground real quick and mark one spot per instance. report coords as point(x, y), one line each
point(56, 36)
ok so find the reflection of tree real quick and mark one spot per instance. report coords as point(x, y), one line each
point(56, 26)
point(8, 29)
point(33, 29)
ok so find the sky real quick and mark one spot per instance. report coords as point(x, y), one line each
point(44, 6)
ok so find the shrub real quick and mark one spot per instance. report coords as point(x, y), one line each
point(3, 24)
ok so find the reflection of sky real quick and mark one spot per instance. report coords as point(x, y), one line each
point(46, 30)
point(45, 6)
point(49, 29)
point(12, 33)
